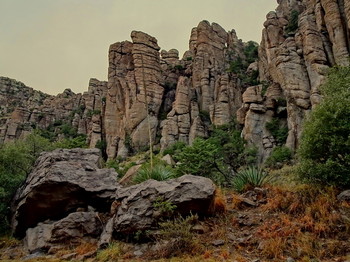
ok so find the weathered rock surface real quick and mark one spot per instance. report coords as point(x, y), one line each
point(138, 209)
point(23, 109)
point(207, 93)
point(62, 181)
point(293, 64)
point(134, 90)
point(76, 228)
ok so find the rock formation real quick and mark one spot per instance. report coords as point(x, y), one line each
point(188, 193)
point(67, 199)
point(179, 99)
point(206, 91)
point(22, 110)
point(300, 41)
point(62, 181)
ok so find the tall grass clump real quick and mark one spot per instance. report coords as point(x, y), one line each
point(158, 172)
point(249, 177)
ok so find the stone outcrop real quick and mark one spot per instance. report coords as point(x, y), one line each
point(62, 181)
point(135, 94)
point(293, 63)
point(206, 92)
point(23, 109)
point(68, 199)
point(175, 99)
point(138, 209)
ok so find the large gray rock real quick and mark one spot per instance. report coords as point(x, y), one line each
point(73, 229)
point(136, 208)
point(62, 181)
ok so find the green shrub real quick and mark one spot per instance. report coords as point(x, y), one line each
point(178, 67)
point(324, 150)
point(174, 149)
point(280, 154)
point(249, 177)
point(16, 161)
point(251, 51)
point(236, 66)
point(166, 208)
point(217, 157)
point(76, 142)
point(202, 158)
point(204, 116)
point(293, 22)
point(277, 130)
point(90, 112)
point(111, 253)
point(178, 235)
point(158, 172)
point(68, 130)
point(120, 167)
point(102, 145)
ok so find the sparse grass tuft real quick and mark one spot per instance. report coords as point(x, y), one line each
point(111, 253)
point(176, 238)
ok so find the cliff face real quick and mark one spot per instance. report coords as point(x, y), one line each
point(24, 109)
point(300, 41)
point(178, 99)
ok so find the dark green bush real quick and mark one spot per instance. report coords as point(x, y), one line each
point(174, 149)
point(217, 157)
point(76, 142)
point(277, 130)
point(205, 116)
point(293, 22)
point(324, 150)
point(280, 154)
point(251, 51)
point(16, 161)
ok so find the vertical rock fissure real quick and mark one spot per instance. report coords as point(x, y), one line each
point(147, 112)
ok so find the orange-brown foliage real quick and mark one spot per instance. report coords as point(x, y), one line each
point(85, 248)
point(305, 221)
point(219, 202)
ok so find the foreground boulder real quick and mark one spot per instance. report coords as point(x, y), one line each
point(77, 227)
point(61, 182)
point(141, 206)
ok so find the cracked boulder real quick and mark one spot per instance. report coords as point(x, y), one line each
point(140, 207)
point(62, 182)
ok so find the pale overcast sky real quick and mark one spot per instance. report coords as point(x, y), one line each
point(51, 45)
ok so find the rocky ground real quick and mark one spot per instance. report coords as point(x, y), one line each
point(276, 223)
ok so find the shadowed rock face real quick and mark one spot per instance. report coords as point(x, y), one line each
point(61, 182)
point(76, 227)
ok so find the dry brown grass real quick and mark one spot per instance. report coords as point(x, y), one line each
point(85, 248)
point(220, 204)
point(307, 224)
